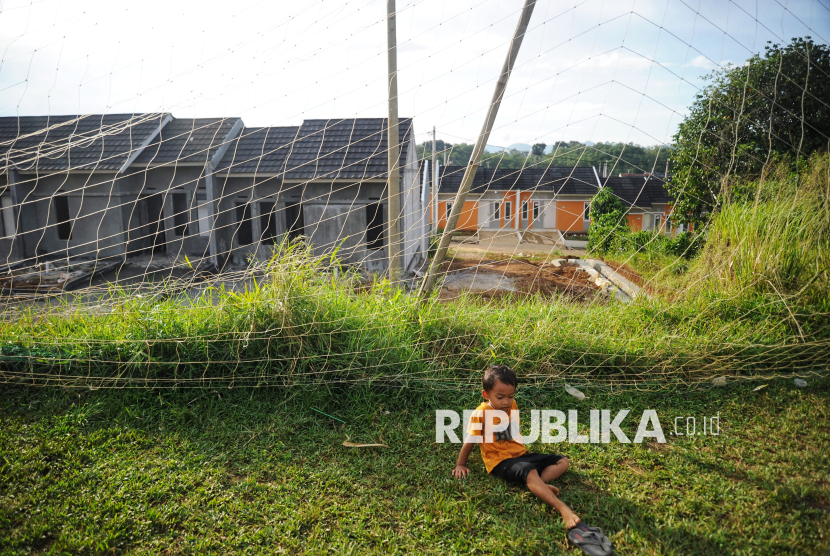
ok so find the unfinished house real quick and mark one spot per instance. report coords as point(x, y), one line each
point(174, 191)
point(64, 188)
point(326, 181)
point(119, 187)
point(252, 215)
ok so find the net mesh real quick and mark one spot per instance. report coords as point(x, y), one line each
point(142, 247)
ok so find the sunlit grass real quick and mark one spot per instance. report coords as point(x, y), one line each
point(259, 471)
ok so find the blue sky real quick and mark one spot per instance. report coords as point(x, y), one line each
point(591, 70)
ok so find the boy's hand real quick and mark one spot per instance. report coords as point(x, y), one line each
point(460, 471)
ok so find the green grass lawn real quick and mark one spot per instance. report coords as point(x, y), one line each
point(259, 471)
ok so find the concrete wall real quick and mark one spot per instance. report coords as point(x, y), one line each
point(335, 217)
point(258, 193)
point(415, 218)
point(334, 214)
point(8, 250)
point(164, 183)
point(94, 201)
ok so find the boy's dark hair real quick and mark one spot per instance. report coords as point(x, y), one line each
point(499, 372)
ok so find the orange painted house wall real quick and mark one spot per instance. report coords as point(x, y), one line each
point(635, 222)
point(468, 219)
point(569, 215)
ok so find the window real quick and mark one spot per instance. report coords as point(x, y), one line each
point(180, 213)
point(268, 222)
point(586, 211)
point(536, 210)
point(374, 226)
point(449, 210)
point(245, 230)
point(508, 211)
point(657, 218)
point(524, 211)
point(496, 211)
point(62, 217)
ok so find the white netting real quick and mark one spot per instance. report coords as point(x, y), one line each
point(215, 208)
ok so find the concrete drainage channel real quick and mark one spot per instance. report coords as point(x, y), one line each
point(612, 283)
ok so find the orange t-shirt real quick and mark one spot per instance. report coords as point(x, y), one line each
point(503, 445)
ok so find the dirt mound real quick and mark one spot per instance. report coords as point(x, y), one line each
point(516, 277)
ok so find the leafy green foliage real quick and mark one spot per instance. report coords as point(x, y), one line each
point(685, 244)
point(608, 221)
point(775, 105)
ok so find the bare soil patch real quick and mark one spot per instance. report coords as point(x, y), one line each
point(516, 277)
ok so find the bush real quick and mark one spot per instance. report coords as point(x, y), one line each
point(608, 221)
point(685, 244)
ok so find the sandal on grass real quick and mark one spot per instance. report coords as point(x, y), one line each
point(591, 540)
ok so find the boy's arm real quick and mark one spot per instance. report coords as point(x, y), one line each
point(461, 470)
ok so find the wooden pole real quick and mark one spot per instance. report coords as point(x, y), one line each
point(393, 185)
point(475, 157)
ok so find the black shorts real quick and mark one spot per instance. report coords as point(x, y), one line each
point(516, 470)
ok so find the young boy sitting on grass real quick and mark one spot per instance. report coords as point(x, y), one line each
point(507, 458)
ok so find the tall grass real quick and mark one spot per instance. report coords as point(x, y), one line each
point(300, 322)
point(780, 242)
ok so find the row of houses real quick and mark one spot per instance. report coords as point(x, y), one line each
point(103, 186)
point(548, 200)
point(125, 186)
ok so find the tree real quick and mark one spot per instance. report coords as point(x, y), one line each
point(608, 221)
point(774, 106)
point(622, 157)
point(538, 149)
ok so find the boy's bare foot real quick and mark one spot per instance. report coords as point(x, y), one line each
point(554, 490)
point(570, 518)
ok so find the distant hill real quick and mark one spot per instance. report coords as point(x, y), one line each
point(521, 147)
point(493, 149)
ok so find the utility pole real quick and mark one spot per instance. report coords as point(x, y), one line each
point(434, 206)
point(481, 142)
point(393, 185)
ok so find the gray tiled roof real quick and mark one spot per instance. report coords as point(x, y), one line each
point(637, 191)
point(260, 150)
point(351, 148)
point(580, 180)
point(91, 142)
point(190, 140)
